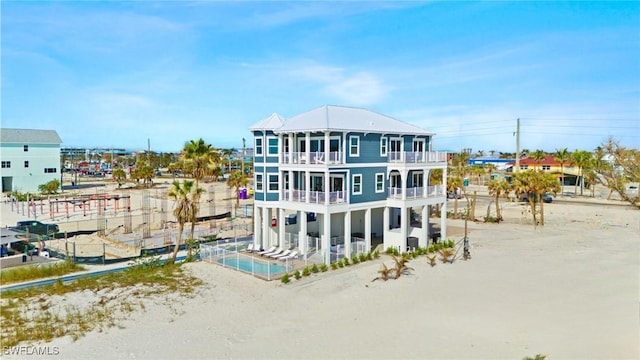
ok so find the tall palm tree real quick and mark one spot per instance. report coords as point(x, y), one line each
point(185, 208)
point(582, 159)
point(563, 156)
point(453, 184)
point(227, 154)
point(545, 183)
point(200, 158)
point(538, 156)
point(120, 176)
point(524, 183)
point(497, 188)
point(237, 180)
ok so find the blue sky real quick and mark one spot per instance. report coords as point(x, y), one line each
point(114, 74)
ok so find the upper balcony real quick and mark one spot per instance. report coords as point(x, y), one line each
point(314, 197)
point(314, 158)
point(416, 192)
point(336, 157)
point(421, 157)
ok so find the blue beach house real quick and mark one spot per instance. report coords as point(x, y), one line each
point(338, 181)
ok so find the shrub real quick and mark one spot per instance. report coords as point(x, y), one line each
point(334, 266)
point(306, 271)
point(363, 257)
point(369, 256)
point(340, 263)
point(376, 254)
point(324, 267)
point(355, 259)
point(285, 278)
point(314, 269)
point(297, 274)
point(345, 260)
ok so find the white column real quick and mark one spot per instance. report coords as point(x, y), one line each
point(266, 231)
point(443, 208)
point(280, 148)
point(281, 228)
point(424, 239)
point(385, 225)
point(307, 185)
point(367, 229)
point(290, 176)
point(307, 146)
point(302, 234)
point(326, 186)
point(404, 223)
point(326, 237)
point(257, 225)
point(326, 147)
point(404, 174)
point(347, 234)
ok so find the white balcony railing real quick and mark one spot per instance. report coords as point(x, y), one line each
point(416, 157)
point(416, 192)
point(316, 157)
point(315, 197)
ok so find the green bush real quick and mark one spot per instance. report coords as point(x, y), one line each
point(340, 263)
point(369, 256)
point(314, 269)
point(355, 259)
point(297, 274)
point(324, 267)
point(345, 260)
point(334, 266)
point(50, 187)
point(363, 257)
point(285, 278)
point(306, 271)
point(376, 254)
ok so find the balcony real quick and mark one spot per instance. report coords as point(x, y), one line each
point(416, 192)
point(315, 197)
point(416, 157)
point(315, 158)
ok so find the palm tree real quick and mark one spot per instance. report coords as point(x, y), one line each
point(538, 156)
point(120, 176)
point(227, 154)
point(453, 184)
point(544, 183)
point(199, 158)
point(524, 183)
point(237, 180)
point(582, 159)
point(563, 156)
point(497, 188)
point(185, 208)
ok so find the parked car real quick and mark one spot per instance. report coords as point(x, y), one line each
point(37, 227)
point(547, 197)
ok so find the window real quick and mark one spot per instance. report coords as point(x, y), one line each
point(354, 146)
point(524, 167)
point(26, 148)
point(272, 146)
point(546, 167)
point(273, 183)
point(384, 145)
point(26, 163)
point(258, 146)
point(258, 182)
point(50, 170)
point(380, 182)
point(6, 164)
point(356, 185)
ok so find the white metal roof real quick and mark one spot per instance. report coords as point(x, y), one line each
point(343, 118)
point(272, 122)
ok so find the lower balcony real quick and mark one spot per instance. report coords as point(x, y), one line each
point(314, 197)
point(416, 192)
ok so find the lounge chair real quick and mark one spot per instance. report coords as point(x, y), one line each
point(292, 255)
point(271, 249)
point(275, 252)
point(284, 253)
point(253, 247)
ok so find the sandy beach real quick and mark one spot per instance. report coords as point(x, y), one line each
point(569, 290)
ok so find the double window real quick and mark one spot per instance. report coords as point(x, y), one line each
point(26, 163)
point(6, 164)
point(356, 185)
point(25, 148)
point(272, 146)
point(273, 183)
point(379, 182)
point(384, 146)
point(258, 146)
point(259, 181)
point(354, 146)
point(50, 170)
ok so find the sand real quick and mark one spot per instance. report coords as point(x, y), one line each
point(569, 290)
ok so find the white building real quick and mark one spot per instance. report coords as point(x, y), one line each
point(337, 181)
point(29, 158)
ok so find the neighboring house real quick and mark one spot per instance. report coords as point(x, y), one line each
point(548, 164)
point(29, 158)
point(354, 177)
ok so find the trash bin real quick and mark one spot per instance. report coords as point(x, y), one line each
point(242, 194)
point(24, 258)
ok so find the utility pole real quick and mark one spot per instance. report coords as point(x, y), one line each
point(517, 166)
point(244, 144)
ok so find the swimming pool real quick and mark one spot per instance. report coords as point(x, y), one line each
point(253, 266)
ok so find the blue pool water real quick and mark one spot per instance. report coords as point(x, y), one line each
point(253, 266)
